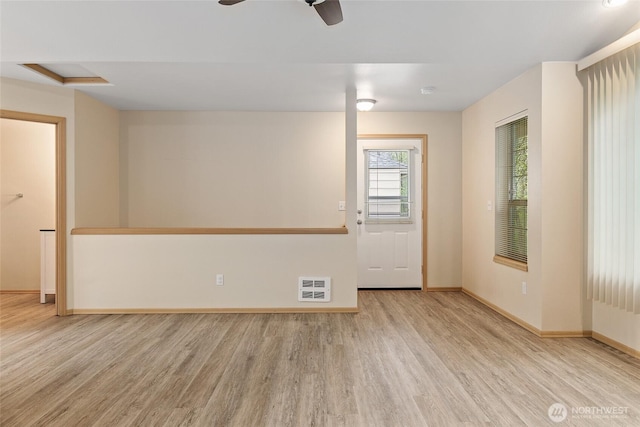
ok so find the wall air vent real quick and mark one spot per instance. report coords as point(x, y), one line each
point(314, 289)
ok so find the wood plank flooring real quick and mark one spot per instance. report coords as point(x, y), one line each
point(407, 359)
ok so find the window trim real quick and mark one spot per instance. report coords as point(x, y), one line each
point(498, 259)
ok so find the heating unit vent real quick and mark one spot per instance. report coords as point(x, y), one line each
point(315, 289)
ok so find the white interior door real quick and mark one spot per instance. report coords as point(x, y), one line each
point(390, 213)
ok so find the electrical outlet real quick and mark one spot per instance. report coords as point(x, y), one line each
point(342, 206)
point(220, 279)
point(524, 288)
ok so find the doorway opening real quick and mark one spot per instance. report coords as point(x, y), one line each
point(391, 203)
point(60, 199)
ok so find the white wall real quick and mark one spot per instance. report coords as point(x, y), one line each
point(444, 182)
point(232, 169)
point(27, 165)
point(97, 134)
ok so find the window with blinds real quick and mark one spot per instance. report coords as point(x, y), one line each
point(387, 187)
point(511, 190)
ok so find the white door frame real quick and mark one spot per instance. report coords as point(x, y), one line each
point(424, 139)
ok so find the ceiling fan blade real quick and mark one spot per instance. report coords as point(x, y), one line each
point(229, 2)
point(330, 11)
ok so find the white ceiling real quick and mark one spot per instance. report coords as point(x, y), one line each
point(278, 55)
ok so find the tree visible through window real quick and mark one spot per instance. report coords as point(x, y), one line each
point(511, 190)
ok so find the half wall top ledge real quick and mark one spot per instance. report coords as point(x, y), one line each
point(87, 231)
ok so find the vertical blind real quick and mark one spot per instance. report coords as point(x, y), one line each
point(613, 91)
point(511, 190)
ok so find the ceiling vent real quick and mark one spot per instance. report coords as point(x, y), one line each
point(314, 289)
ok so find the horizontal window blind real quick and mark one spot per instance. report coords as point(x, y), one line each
point(511, 190)
point(613, 91)
point(388, 184)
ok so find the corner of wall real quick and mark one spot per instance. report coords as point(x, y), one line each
point(563, 304)
point(97, 163)
point(123, 171)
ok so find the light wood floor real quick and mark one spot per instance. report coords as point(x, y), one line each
point(407, 359)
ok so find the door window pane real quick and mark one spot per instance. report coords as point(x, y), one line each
point(388, 184)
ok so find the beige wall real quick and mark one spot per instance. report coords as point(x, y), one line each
point(497, 283)
point(616, 324)
point(222, 169)
point(16, 95)
point(564, 303)
point(555, 300)
point(184, 274)
point(1, 197)
point(97, 163)
point(119, 272)
point(176, 270)
point(226, 169)
point(27, 166)
point(444, 181)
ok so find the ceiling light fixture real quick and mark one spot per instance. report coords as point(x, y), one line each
point(613, 3)
point(365, 104)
